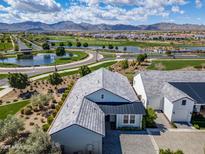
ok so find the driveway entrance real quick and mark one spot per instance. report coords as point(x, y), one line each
point(127, 142)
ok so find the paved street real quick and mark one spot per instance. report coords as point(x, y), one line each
point(127, 142)
point(188, 142)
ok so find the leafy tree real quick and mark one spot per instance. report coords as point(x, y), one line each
point(150, 117)
point(103, 46)
point(70, 44)
point(84, 70)
point(55, 79)
point(125, 64)
point(116, 48)
point(61, 44)
point(141, 58)
point(78, 44)
point(85, 44)
point(38, 142)
point(10, 127)
point(110, 46)
point(125, 48)
point(168, 53)
point(46, 46)
point(60, 51)
point(18, 80)
point(53, 44)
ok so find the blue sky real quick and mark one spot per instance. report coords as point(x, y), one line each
point(133, 12)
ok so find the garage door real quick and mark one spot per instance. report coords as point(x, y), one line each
point(181, 116)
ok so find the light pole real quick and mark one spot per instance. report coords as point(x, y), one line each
point(97, 55)
point(55, 65)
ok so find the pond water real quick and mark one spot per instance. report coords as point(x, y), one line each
point(196, 48)
point(39, 59)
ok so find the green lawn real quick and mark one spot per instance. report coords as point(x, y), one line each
point(5, 46)
point(3, 76)
point(175, 64)
point(78, 56)
point(12, 108)
point(8, 65)
point(106, 42)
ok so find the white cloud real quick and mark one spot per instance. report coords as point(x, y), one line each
point(33, 6)
point(198, 3)
point(176, 9)
point(112, 12)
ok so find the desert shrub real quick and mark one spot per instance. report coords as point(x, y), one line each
point(198, 67)
point(196, 126)
point(58, 107)
point(124, 64)
point(7, 102)
point(22, 111)
point(45, 127)
point(50, 119)
point(50, 91)
point(168, 151)
point(53, 106)
point(42, 120)
point(31, 123)
point(60, 103)
point(54, 101)
point(55, 112)
point(27, 111)
point(15, 100)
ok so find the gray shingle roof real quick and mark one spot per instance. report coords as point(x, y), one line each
point(154, 81)
point(128, 108)
point(194, 90)
point(91, 117)
point(172, 93)
point(73, 110)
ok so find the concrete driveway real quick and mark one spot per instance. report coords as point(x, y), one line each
point(188, 142)
point(127, 142)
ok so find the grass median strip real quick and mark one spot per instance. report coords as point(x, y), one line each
point(12, 108)
point(175, 64)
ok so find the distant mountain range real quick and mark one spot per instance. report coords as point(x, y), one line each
point(71, 26)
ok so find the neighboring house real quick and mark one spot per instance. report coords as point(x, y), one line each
point(176, 93)
point(102, 97)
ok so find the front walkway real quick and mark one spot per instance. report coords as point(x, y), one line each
point(162, 122)
point(127, 142)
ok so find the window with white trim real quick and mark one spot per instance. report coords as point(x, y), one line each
point(132, 119)
point(126, 119)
